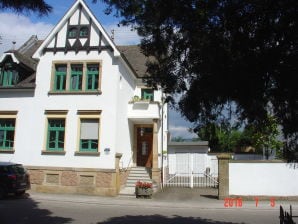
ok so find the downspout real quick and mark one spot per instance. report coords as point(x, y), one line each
point(162, 136)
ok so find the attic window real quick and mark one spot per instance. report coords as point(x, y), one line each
point(8, 75)
point(84, 32)
point(72, 33)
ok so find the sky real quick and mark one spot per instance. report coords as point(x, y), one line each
point(18, 29)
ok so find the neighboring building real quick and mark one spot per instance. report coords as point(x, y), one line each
point(75, 111)
point(191, 157)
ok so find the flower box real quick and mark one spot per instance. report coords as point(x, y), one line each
point(143, 189)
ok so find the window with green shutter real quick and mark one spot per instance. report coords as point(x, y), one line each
point(56, 132)
point(7, 132)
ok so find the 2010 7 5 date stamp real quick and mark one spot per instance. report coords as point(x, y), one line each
point(238, 202)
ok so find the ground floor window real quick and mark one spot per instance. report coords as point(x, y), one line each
point(56, 133)
point(89, 129)
point(7, 133)
point(89, 135)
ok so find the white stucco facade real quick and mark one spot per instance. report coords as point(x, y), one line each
point(111, 103)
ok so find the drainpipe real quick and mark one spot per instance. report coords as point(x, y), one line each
point(162, 136)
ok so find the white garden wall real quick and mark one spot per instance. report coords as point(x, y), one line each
point(266, 179)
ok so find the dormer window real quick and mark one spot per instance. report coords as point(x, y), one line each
point(72, 33)
point(84, 32)
point(8, 75)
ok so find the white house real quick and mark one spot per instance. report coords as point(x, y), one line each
point(75, 111)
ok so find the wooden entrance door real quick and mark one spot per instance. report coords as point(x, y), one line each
point(144, 146)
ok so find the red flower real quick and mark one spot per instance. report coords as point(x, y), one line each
point(143, 184)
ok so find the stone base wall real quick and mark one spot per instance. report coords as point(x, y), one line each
point(73, 180)
point(123, 176)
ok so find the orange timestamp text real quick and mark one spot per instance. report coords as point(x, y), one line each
point(238, 202)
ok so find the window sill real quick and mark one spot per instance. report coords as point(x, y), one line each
point(47, 152)
point(87, 153)
point(91, 92)
point(7, 151)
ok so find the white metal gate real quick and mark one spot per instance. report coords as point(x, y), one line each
point(190, 170)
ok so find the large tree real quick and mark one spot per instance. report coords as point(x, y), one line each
point(237, 54)
point(22, 6)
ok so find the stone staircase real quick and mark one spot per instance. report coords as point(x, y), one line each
point(136, 174)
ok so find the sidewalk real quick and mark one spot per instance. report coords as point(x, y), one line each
point(166, 200)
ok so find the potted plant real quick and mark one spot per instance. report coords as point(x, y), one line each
point(143, 189)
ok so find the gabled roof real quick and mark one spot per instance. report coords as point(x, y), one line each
point(23, 57)
point(64, 20)
point(30, 46)
point(136, 59)
point(24, 54)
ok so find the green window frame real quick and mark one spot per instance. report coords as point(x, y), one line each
point(92, 77)
point(76, 77)
point(60, 77)
point(72, 33)
point(89, 135)
point(7, 133)
point(9, 77)
point(56, 134)
point(84, 32)
point(147, 94)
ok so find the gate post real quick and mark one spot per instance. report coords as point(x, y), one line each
point(191, 179)
point(223, 175)
point(156, 171)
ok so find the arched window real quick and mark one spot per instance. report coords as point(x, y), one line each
point(84, 32)
point(72, 33)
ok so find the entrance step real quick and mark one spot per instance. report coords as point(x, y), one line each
point(136, 174)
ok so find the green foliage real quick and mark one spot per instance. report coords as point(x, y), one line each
point(38, 6)
point(222, 138)
point(218, 53)
point(178, 139)
point(226, 138)
point(265, 135)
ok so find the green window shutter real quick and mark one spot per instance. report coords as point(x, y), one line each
point(56, 132)
point(76, 78)
point(60, 77)
point(89, 135)
point(92, 77)
point(7, 132)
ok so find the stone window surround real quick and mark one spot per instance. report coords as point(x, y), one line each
point(88, 114)
point(9, 115)
point(84, 90)
point(54, 114)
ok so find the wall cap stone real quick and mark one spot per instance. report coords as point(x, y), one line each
point(45, 168)
point(118, 155)
point(224, 156)
point(257, 161)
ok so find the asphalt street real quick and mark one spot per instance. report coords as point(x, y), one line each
point(164, 208)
